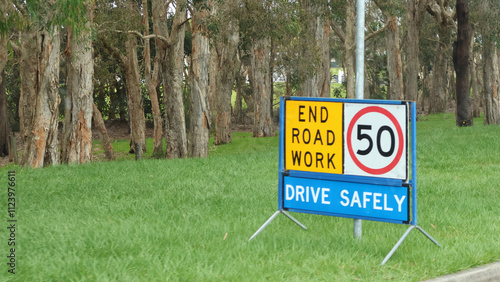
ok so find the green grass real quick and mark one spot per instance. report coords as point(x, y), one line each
point(190, 219)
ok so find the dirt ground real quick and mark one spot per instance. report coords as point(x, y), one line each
point(120, 130)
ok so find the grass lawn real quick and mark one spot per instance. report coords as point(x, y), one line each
point(190, 219)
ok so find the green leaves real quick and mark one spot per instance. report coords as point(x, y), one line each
point(71, 13)
point(37, 14)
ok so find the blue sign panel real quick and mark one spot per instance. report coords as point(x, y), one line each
point(346, 199)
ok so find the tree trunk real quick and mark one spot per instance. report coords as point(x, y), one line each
point(240, 78)
point(474, 73)
point(151, 84)
point(225, 52)
point(175, 123)
point(77, 140)
point(439, 88)
point(39, 101)
point(491, 81)
point(461, 62)
point(106, 142)
point(263, 126)
point(4, 114)
point(200, 114)
point(171, 50)
point(134, 96)
point(247, 92)
point(414, 13)
point(350, 48)
point(318, 83)
point(325, 77)
point(212, 83)
point(425, 87)
point(288, 86)
point(394, 63)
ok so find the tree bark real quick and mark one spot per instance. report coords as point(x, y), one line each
point(4, 114)
point(77, 138)
point(225, 53)
point(134, 96)
point(317, 84)
point(414, 14)
point(261, 58)
point(394, 62)
point(439, 90)
point(152, 80)
point(474, 73)
point(461, 62)
point(106, 142)
point(39, 101)
point(350, 48)
point(491, 83)
point(200, 114)
point(171, 50)
point(240, 78)
point(173, 66)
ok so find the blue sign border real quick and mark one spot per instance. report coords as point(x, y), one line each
point(410, 184)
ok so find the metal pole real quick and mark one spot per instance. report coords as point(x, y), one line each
point(360, 49)
point(360, 76)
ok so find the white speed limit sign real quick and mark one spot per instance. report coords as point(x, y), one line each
point(375, 140)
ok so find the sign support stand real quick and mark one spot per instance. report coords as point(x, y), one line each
point(404, 237)
point(272, 218)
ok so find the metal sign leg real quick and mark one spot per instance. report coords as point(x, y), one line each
point(272, 218)
point(397, 244)
point(428, 236)
point(404, 237)
point(294, 220)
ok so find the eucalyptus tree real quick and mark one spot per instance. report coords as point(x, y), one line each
point(77, 136)
point(38, 47)
point(316, 32)
point(344, 25)
point(5, 11)
point(39, 50)
point(257, 25)
point(392, 10)
point(151, 74)
point(461, 53)
point(199, 131)
point(169, 21)
point(4, 115)
point(225, 37)
point(444, 14)
point(415, 10)
point(489, 26)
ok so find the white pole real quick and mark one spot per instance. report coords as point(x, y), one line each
point(360, 75)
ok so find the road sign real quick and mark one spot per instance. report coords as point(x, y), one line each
point(348, 158)
point(313, 140)
point(330, 147)
point(346, 199)
point(376, 140)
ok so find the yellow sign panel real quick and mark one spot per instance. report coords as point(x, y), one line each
point(313, 136)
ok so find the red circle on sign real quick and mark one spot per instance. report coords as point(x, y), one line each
point(399, 153)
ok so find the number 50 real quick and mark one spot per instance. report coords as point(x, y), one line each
point(362, 136)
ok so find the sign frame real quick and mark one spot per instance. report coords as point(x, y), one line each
point(283, 172)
